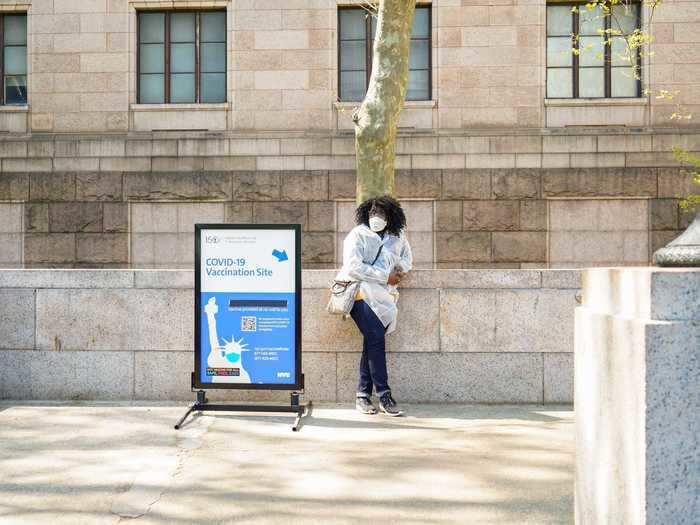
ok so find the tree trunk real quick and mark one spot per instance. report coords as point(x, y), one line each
point(377, 118)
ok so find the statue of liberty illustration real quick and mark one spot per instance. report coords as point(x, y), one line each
point(230, 355)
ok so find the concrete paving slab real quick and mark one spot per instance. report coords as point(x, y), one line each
point(106, 463)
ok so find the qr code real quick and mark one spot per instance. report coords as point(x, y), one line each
point(249, 324)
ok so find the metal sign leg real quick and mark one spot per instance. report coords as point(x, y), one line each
point(300, 409)
point(182, 420)
point(201, 400)
point(304, 410)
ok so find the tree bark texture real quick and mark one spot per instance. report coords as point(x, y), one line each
point(377, 118)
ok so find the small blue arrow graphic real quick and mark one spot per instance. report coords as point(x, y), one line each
point(281, 255)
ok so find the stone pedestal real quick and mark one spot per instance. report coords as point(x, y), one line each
point(637, 396)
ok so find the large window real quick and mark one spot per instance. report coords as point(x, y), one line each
point(355, 38)
point(182, 57)
point(13, 59)
point(580, 64)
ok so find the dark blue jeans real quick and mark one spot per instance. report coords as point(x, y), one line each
point(373, 362)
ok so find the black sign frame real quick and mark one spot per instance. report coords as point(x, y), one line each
point(298, 374)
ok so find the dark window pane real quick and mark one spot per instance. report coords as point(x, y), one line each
point(15, 60)
point(15, 30)
point(213, 27)
point(559, 20)
point(352, 56)
point(354, 67)
point(151, 27)
point(182, 58)
point(182, 27)
point(151, 59)
point(352, 23)
point(352, 85)
point(559, 83)
point(420, 54)
point(418, 85)
point(213, 87)
point(15, 89)
point(213, 58)
point(421, 22)
point(591, 82)
point(182, 88)
point(151, 89)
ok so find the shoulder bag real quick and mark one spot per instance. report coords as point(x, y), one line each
point(343, 294)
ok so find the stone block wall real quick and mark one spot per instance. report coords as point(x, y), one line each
point(11, 234)
point(491, 172)
point(493, 336)
point(79, 65)
point(132, 200)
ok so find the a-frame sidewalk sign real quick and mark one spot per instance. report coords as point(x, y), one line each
point(247, 314)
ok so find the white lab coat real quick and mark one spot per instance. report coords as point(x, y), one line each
point(359, 250)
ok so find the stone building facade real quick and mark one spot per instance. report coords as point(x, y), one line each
point(492, 171)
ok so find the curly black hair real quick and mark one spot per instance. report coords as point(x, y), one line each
point(395, 218)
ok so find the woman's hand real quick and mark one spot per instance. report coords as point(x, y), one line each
point(395, 277)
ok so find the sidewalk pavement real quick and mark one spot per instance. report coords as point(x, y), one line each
point(80, 463)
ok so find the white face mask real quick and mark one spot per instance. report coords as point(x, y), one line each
point(377, 224)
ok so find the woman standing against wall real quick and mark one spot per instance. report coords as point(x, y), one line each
point(377, 254)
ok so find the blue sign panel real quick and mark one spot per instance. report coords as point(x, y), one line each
point(247, 319)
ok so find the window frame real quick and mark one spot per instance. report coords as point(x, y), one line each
point(167, 51)
point(3, 101)
point(369, 50)
point(607, 61)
